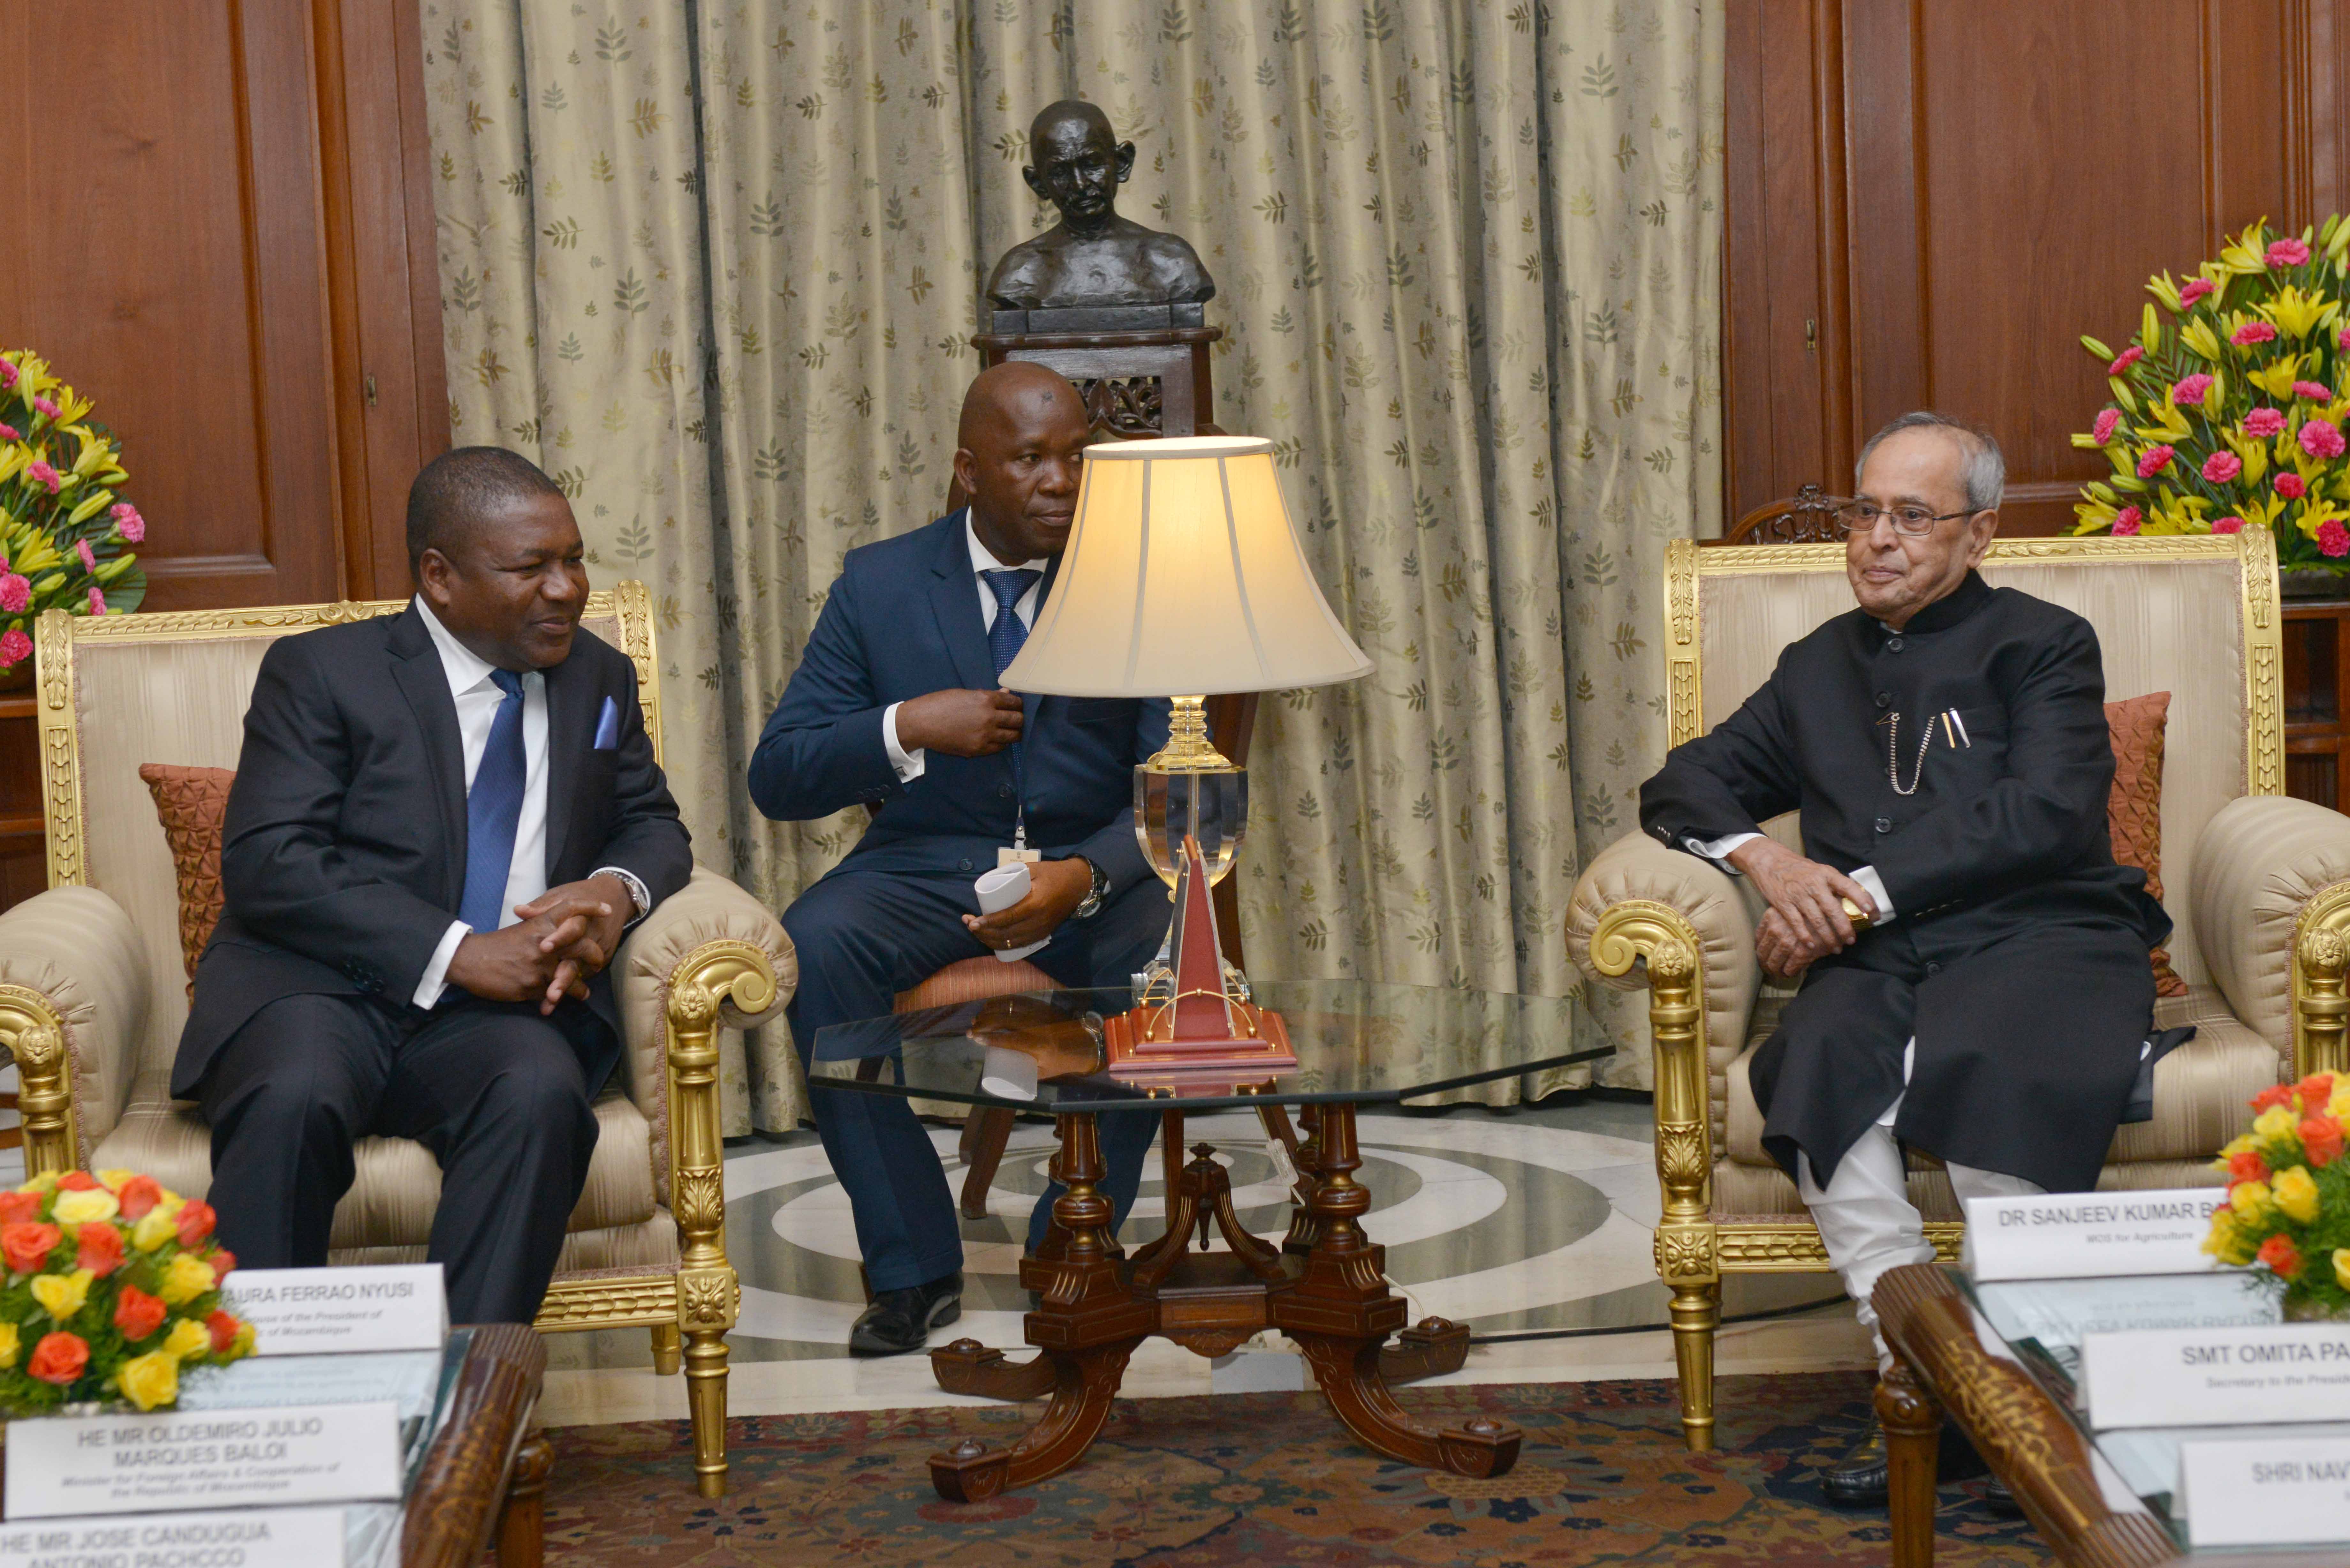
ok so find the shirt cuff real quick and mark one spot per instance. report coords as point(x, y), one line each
point(1868, 878)
point(638, 895)
point(906, 764)
point(435, 979)
point(1719, 849)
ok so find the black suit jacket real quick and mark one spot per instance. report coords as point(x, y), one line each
point(343, 859)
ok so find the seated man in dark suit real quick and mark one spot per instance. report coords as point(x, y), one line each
point(896, 703)
point(442, 821)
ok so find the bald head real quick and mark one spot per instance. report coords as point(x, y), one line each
point(1082, 119)
point(1020, 444)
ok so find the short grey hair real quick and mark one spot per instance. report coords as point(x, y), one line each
point(1985, 474)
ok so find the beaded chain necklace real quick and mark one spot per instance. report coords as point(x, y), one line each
point(1893, 757)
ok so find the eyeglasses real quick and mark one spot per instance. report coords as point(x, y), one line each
point(1859, 516)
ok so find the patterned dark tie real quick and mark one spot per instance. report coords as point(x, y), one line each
point(493, 811)
point(1005, 637)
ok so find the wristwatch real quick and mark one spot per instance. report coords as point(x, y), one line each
point(1094, 894)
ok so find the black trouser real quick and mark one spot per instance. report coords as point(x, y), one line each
point(497, 1093)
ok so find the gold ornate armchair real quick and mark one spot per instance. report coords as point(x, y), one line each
point(2259, 887)
point(93, 992)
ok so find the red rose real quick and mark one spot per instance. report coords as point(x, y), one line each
point(19, 1207)
point(139, 1315)
point(194, 1222)
point(139, 1194)
point(2274, 1094)
point(2321, 1136)
point(2315, 1091)
point(79, 1181)
point(221, 1261)
point(2283, 1262)
point(28, 1247)
point(2247, 1167)
point(99, 1248)
point(224, 1330)
point(58, 1358)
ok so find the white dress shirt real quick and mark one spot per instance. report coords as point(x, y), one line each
point(477, 698)
point(908, 765)
point(1719, 849)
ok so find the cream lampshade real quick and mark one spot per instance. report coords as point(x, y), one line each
point(1183, 578)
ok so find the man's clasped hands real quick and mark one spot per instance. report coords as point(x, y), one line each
point(566, 935)
point(1806, 920)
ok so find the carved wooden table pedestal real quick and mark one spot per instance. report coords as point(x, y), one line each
point(1323, 1286)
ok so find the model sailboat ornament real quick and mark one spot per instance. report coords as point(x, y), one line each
point(1203, 1030)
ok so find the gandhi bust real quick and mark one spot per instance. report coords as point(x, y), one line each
point(1092, 256)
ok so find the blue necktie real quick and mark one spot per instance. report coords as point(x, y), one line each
point(493, 812)
point(1005, 637)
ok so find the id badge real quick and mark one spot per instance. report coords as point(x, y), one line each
point(1012, 855)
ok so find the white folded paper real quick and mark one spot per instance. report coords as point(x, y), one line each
point(247, 1538)
point(2216, 1376)
point(1000, 890)
point(64, 1466)
point(372, 1306)
point(2083, 1235)
point(2279, 1491)
point(1009, 1074)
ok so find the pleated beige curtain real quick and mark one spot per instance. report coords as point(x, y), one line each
point(1467, 254)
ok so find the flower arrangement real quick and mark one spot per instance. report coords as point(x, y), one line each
point(65, 538)
point(111, 1287)
point(2231, 409)
point(2288, 1206)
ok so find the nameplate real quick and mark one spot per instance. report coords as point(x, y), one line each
point(2290, 1491)
point(2216, 1376)
point(305, 1311)
point(2083, 1235)
point(250, 1538)
point(63, 1466)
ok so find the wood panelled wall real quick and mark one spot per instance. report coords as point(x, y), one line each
point(1928, 201)
point(220, 227)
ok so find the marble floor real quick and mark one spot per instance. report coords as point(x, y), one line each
point(1532, 1225)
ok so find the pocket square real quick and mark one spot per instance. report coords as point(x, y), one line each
point(608, 726)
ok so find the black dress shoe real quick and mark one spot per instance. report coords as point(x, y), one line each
point(899, 1320)
point(2000, 1500)
point(1863, 1478)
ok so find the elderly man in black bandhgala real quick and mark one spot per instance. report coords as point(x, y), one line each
point(1946, 743)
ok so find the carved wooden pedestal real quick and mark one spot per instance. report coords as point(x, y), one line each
point(1325, 1287)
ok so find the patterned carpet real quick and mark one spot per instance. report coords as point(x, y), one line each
point(1264, 1479)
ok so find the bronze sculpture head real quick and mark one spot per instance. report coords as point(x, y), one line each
point(1092, 256)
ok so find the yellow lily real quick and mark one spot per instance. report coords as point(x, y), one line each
point(2247, 254)
point(2277, 379)
point(2162, 289)
point(2095, 516)
point(2296, 313)
point(2167, 422)
point(2199, 339)
point(2252, 451)
point(2123, 395)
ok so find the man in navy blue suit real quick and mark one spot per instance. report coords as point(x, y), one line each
point(897, 704)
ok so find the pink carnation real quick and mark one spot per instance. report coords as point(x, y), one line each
point(2290, 486)
point(2263, 423)
point(2253, 332)
point(2222, 466)
point(89, 557)
point(15, 645)
point(7, 374)
point(2154, 461)
point(41, 472)
point(16, 593)
point(2342, 341)
point(2333, 539)
point(9, 432)
point(2124, 359)
point(2288, 252)
point(2189, 389)
point(97, 602)
point(2109, 422)
point(2199, 289)
point(127, 523)
point(2126, 520)
point(2312, 391)
point(2227, 525)
point(46, 408)
point(2321, 440)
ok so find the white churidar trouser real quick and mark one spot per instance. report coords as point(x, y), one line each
point(1864, 1215)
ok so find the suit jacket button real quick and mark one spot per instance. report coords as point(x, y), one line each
point(966, 865)
point(1885, 698)
point(1003, 792)
point(1933, 969)
point(1884, 824)
point(1893, 645)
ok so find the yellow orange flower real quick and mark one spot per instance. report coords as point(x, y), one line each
point(150, 1379)
point(114, 1177)
point(185, 1279)
point(242, 1346)
point(61, 1296)
point(154, 1228)
point(2250, 1199)
point(2275, 1122)
point(187, 1337)
point(2295, 1193)
point(10, 1344)
point(82, 1207)
point(2341, 1271)
point(46, 1182)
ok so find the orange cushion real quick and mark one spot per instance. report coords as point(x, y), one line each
point(191, 802)
point(2134, 810)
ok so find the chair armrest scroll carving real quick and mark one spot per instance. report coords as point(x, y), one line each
point(74, 994)
point(2270, 895)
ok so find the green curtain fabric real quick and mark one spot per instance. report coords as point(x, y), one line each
point(716, 267)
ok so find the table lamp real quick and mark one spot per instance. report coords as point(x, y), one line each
point(1183, 578)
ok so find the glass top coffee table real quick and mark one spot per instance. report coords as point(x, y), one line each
point(1323, 1284)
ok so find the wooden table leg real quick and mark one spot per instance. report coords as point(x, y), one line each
point(1087, 1326)
point(1913, 1431)
point(522, 1523)
point(1341, 1312)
